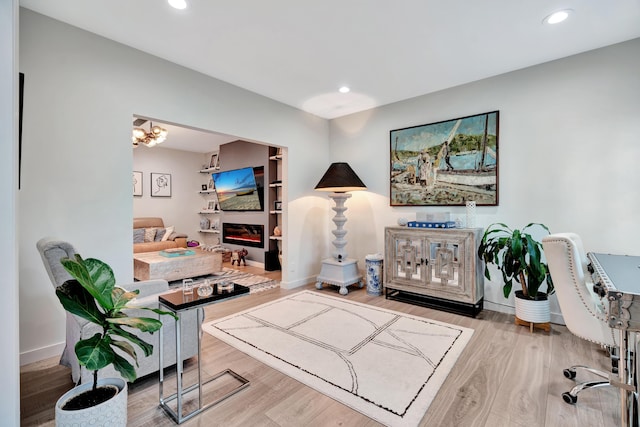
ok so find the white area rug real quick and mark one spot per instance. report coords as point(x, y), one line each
point(386, 365)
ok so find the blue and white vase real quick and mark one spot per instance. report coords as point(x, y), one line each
point(374, 274)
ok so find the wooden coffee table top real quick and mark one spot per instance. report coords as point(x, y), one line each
point(152, 265)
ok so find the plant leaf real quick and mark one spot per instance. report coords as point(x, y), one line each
point(95, 353)
point(77, 300)
point(126, 347)
point(125, 368)
point(121, 297)
point(145, 324)
point(95, 276)
point(145, 346)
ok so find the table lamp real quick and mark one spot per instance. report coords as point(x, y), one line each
point(339, 270)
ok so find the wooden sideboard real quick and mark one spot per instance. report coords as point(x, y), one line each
point(437, 268)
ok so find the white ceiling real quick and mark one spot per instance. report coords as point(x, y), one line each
point(299, 52)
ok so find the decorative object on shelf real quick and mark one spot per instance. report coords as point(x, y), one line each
point(215, 224)
point(92, 295)
point(210, 185)
point(277, 205)
point(212, 205)
point(204, 223)
point(373, 264)
point(203, 187)
point(213, 162)
point(402, 222)
point(276, 231)
point(160, 184)
point(471, 214)
point(446, 163)
point(518, 256)
point(156, 134)
point(341, 271)
point(137, 183)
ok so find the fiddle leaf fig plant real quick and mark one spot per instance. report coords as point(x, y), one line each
point(94, 296)
point(518, 256)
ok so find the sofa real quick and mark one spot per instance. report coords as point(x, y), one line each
point(150, 235)
point(77, 328)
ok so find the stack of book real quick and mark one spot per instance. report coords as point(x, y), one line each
point(432, 224)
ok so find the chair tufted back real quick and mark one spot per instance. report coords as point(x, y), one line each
point(583, 310)
point(52, 251)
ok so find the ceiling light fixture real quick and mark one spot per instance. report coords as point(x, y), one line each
point(178, 4)
point(156, 135)
point(557, 17)
point(344, 89)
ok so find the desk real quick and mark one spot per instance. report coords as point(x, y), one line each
point(617, 277)
point(178, 302)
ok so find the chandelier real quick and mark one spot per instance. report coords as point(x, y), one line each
point(156, 135)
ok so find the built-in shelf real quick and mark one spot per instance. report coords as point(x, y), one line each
point(276, 157)
point(206, 211)
point(209, 170)
point(207, 191)
point(277, 184)
point(275, 212)
point(210, 231)
point(275, 237)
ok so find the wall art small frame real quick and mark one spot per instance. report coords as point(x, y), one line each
point(137, 183)
point(212, 205)
point(446, 163)
point(203, 187)
point(160, 184)
point(277, 205)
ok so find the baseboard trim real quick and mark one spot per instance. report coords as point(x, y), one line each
point(297, 283)
point(39, 354)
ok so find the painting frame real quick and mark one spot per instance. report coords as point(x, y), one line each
point(446, 163)
point(137, 183)
point(160, 184)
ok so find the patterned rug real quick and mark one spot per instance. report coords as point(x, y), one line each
point(253, 282)
point(385, 364)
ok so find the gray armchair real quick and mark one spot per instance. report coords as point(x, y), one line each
point(78, 328)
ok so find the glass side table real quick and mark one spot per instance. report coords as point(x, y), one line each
point(179, 302)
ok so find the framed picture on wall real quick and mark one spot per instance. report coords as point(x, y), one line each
point(160, 184)
point(277, 205)
point(137, 183)
point(446, 163)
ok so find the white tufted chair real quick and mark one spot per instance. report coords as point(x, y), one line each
point(77, 328)
point(582, 309)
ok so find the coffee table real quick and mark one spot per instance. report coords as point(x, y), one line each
point(152, 265)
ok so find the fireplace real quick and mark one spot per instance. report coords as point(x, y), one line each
point(243, 234)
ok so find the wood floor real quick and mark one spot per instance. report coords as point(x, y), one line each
point(506, 376)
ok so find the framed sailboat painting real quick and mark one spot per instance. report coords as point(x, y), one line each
point(446, 163)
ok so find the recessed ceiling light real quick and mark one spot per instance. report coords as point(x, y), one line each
point(557, 17)
point(178, 4)
point(344, 89)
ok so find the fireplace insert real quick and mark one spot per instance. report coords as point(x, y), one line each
point(243, 234)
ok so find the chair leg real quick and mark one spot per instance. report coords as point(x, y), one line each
point(571, 396)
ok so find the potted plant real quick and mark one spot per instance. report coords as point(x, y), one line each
point(518, 256)
point(93, 296)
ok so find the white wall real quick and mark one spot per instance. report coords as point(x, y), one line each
point(181, 209)
point(568, 152)
point(10, 373)
point(82, 91)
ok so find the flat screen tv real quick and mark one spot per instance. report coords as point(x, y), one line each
point(240, 189)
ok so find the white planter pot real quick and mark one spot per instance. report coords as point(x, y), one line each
point(113, 412)
point(535, 311)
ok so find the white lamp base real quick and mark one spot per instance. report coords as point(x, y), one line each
point(341, 274)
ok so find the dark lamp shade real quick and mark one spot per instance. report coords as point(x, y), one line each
point(340, 178)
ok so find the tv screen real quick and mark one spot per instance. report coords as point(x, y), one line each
point(238, 190)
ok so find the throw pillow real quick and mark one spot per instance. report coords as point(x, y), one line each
point(138, 235)
point(160, 232)
point(168, 232)
point(149, 234)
